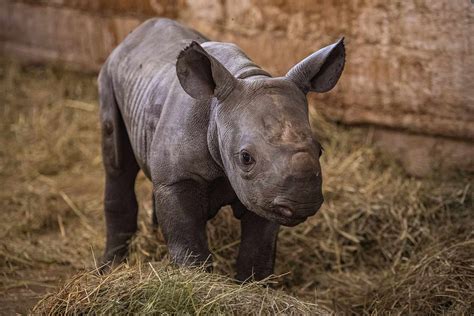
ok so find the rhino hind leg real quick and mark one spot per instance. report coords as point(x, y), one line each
point(154, 218)
point(121, 168)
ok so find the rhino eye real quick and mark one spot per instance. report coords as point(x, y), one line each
point(246, 159)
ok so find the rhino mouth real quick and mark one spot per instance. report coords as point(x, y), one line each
point(281, 217)
point(291, 222)
point(292, 213)
point(286, 212)
point(287, 221)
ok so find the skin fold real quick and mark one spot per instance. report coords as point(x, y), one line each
point(209, 128)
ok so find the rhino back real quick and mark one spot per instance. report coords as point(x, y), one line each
point(142, 69)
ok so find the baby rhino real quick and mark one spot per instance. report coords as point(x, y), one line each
point(209, 128)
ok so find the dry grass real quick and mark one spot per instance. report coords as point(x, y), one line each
point(165, 289)
point(382, 242)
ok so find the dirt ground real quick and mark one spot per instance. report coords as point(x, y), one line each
point(382, 242)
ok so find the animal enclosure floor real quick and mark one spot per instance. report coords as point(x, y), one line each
point(382, 241)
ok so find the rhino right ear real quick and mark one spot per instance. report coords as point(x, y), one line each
point(201, 75)
point(320, 71)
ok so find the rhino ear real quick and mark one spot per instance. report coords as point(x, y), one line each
point(201, 75)
point(320, 71)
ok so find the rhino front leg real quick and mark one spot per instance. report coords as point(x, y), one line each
point(181, 211)
point(257, 251)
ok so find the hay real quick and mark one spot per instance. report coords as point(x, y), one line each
point(160, 288)
point(382, 242)
point(440, 281)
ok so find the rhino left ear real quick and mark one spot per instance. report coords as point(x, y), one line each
point(201, 75)
point(320, 71)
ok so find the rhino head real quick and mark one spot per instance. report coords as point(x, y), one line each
point(264, 139)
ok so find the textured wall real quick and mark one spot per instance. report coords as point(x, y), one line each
point(410, 63)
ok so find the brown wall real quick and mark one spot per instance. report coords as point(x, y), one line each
point(410, 63)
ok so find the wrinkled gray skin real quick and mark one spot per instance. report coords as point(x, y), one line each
point(209, 128)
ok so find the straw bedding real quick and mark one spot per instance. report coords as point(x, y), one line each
point(382, 242)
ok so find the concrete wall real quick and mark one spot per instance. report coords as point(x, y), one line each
point(410, 65)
